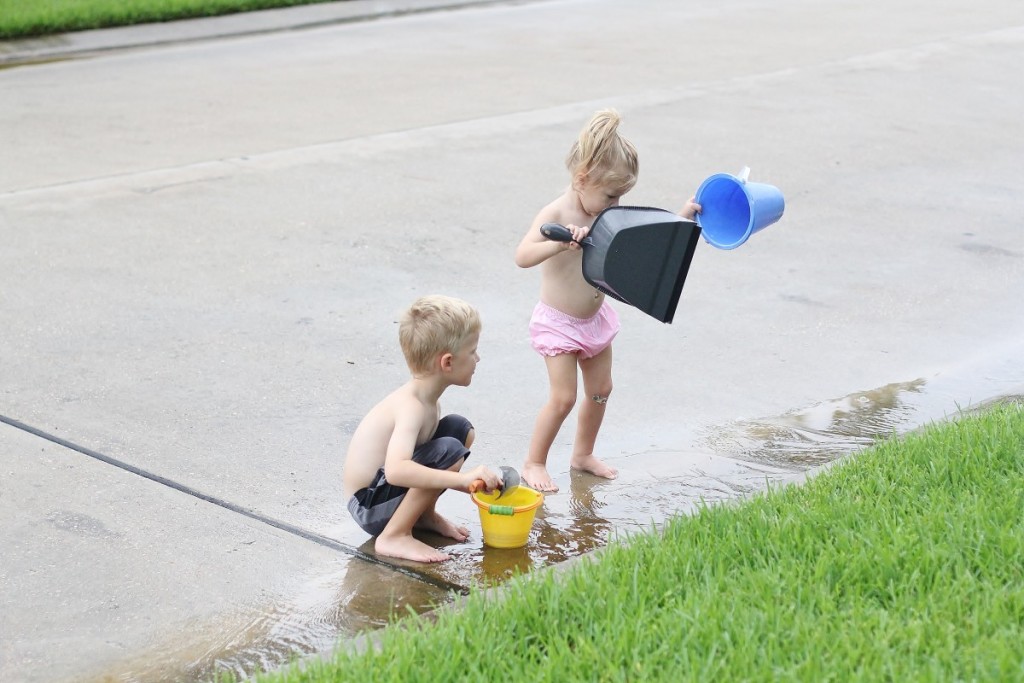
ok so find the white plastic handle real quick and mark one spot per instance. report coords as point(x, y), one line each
point(743, 174)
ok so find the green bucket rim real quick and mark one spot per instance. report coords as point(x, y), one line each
point(516, 509)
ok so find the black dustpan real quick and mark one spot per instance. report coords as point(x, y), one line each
point(638, 255)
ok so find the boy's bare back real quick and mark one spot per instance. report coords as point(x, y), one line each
point(399, 423)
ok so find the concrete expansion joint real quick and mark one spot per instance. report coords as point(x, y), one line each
point(238, 509)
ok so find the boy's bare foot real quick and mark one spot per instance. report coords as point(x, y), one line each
point(588, 463)
point(431, 521)
point(537, 478)
point(407, 548)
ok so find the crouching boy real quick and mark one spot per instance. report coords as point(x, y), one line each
point(404, 454)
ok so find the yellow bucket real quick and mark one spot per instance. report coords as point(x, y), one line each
point(506, 521)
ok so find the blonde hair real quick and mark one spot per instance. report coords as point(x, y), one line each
point(602, 154)
point(435, 325)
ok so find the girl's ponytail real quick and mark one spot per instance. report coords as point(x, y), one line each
point(601, 153)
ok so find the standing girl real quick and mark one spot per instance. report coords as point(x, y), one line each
point(572, 325)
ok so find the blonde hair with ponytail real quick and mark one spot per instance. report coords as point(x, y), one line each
point(602, 155)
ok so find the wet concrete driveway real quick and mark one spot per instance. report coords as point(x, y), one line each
point(206, 244)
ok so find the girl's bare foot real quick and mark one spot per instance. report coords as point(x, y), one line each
point(407, 548)
point(431, 521)
point(588, 463)
point(537, 478)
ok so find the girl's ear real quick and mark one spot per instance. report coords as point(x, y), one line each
point(579, 181)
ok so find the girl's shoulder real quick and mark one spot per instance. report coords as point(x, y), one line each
point(558, 210)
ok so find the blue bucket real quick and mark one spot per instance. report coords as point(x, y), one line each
point(733, 209)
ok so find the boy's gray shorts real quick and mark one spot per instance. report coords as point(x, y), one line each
point(373, 506)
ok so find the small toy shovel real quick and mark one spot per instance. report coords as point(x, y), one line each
point(510, 479)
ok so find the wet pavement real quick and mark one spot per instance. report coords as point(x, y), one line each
point(206, 241)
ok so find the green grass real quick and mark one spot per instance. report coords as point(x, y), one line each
point(905, 563)
point(27, 18)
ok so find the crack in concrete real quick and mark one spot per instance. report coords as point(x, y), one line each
point(238, 509)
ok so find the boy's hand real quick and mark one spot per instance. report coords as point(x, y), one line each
point(490, 479)
point(690, 211)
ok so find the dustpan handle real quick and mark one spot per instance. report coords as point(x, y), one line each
point(560, 233)
point(556, 232)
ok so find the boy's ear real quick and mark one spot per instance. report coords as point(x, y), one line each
point(446, 361)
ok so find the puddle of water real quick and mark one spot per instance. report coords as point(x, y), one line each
point(728, 463)
point(736, 460)
point(591, 512)
point(823, 432)
point(831, 429)
point(360, 598)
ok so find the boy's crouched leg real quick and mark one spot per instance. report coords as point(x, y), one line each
point(397, 540)
point(456, 426)
point(417, 511)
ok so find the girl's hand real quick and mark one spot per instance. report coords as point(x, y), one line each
point(578, 235)
point(690, 211)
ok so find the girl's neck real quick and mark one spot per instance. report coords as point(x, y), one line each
point(575, 199)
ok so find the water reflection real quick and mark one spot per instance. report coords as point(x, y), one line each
point(823, 432)
point(240, 643)
point(369, 596)
point(569, 523)
point(498, 565)
point(581, 518)
point(572, 522)
point(334, 607)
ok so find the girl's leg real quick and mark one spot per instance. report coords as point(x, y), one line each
point(597, 386)
point(561, 398)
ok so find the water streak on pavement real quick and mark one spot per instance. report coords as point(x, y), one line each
point(592, 513)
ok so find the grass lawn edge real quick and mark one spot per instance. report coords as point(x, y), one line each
point(901, 563)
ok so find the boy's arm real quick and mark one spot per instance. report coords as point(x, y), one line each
point(400, 469)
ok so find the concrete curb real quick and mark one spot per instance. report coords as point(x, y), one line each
point(81, 44)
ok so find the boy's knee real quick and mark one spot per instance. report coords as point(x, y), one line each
point(453, 425)
point(452, 445)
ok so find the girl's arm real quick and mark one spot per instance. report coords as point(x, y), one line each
point(691, 209)
point(535, 248)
